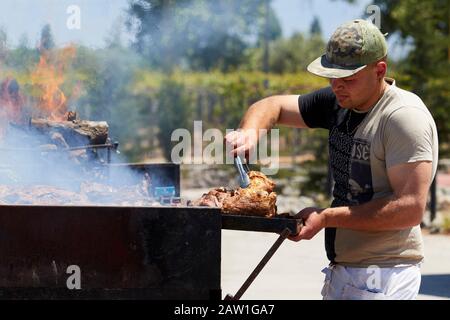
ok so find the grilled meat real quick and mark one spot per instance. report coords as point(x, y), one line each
point(258, 199)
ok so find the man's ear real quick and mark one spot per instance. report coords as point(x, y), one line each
point(381, 68)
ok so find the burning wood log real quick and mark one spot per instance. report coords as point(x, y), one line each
point(258, 199)
point(76, 132)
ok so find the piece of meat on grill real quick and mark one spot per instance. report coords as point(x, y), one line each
point(251, 202)
point(260, 181)
point(214, 198)
point(258, 199)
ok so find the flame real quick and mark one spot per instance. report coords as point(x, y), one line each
point(46, 81)
point(47, 98)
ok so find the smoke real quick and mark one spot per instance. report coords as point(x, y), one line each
point(34, 170)
point(29, 157)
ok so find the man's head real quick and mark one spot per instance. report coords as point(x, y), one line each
point(355, 62)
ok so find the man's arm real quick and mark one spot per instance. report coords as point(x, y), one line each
point(265, 114)
point(268, 112)
point(410, 183)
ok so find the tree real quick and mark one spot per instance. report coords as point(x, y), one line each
point(290, 55)
point(425, 70)
point(47, 41)
point(22, 57)
point(3, 44)
point(270, 18)
point(173, 112)
point(315, 28)
point(23, 41)
point(196, 34)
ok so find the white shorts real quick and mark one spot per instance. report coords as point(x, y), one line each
point(372, 283)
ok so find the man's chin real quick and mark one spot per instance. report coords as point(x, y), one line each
point(346, 105)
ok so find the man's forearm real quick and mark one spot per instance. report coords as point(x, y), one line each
point(389, 213)
point(263, 114)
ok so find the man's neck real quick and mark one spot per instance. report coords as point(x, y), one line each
point(374, 99)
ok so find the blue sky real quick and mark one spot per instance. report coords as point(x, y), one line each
point(297, 15)
point(29, 16)
point(100, 18)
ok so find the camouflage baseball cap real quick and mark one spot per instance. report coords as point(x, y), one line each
point(351, 48)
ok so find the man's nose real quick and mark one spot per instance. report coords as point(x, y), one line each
point(336, 84)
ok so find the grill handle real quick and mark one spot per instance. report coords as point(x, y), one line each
point(286, 232)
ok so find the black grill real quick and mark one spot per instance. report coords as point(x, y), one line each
point(161, 252)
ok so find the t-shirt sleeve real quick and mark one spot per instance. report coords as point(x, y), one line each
point(408, 136)
point(316, 108)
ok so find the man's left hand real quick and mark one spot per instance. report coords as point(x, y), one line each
point(313, 222)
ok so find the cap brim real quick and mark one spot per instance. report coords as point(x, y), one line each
point(323, 68)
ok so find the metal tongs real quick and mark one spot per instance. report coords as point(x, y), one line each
point(244, 180)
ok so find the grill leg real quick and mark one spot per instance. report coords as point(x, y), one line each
point(286, 232)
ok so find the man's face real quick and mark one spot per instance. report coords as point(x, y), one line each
point(355, 91)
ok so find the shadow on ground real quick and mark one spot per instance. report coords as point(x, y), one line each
point(436, 285)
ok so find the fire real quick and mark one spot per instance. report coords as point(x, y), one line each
point(47, 80)
point(47, 100)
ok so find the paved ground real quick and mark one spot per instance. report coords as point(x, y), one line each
point(294, 270)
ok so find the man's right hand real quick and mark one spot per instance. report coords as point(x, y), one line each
point(264, 114)
point(241, 142)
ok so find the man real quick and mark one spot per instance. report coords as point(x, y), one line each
point(383, 150)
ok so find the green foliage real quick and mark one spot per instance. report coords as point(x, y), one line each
point(268, 25)
point(446, 225)
point(289, 55)
point(218, 99)
point(197, 34)
point(22, 58)
point(174, 111)
point(317, 179)
point(223, 97)
point(424, 25)
point(3, 44)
